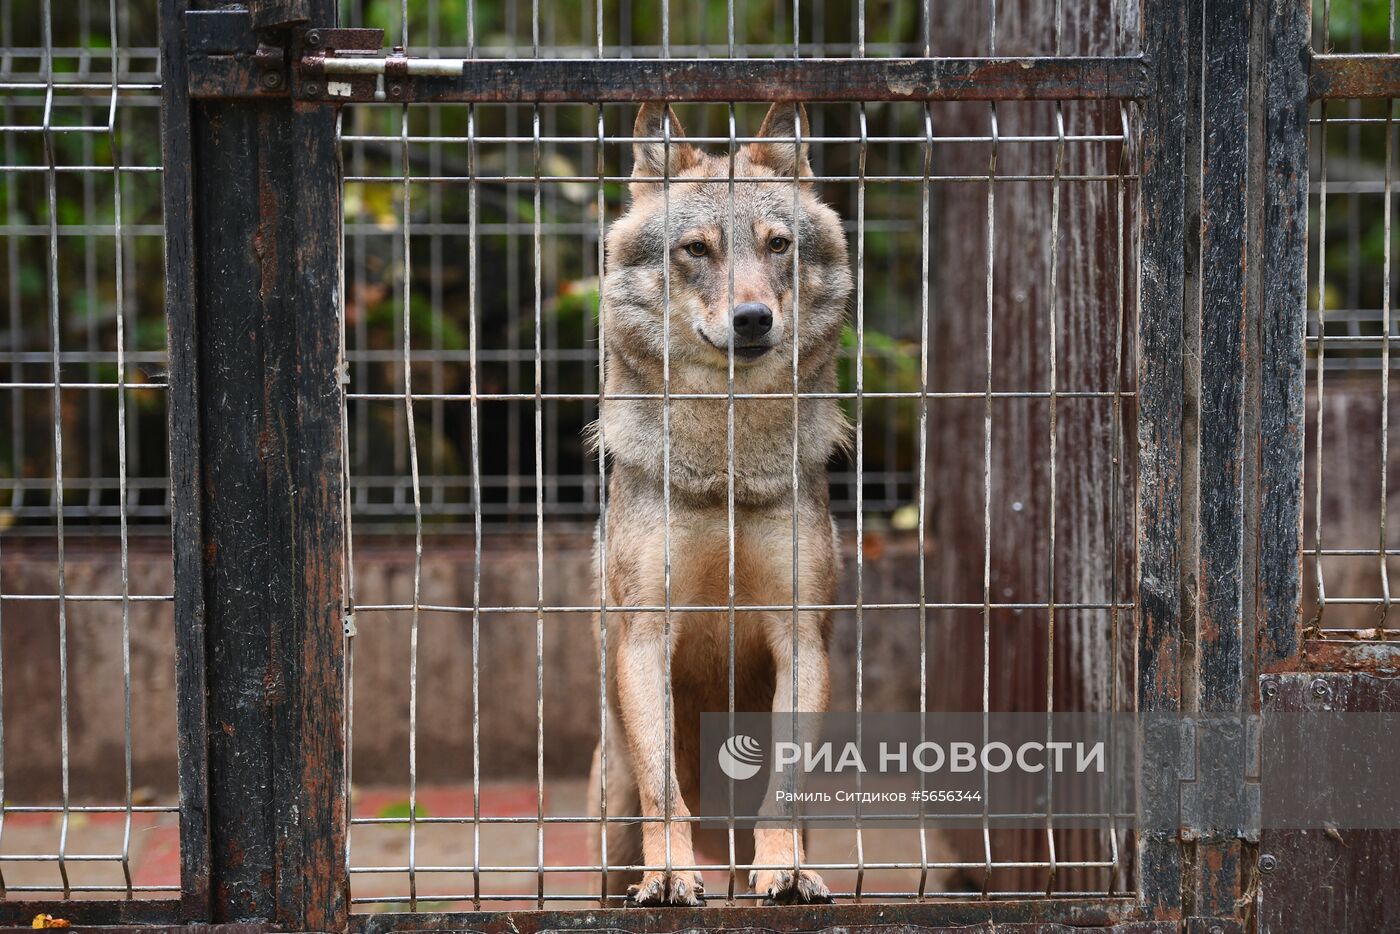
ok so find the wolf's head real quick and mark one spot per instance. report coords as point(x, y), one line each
point(672, 248)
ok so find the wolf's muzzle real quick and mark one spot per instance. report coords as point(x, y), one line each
point(752, 320)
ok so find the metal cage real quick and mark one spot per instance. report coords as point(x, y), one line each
point(1120, 436)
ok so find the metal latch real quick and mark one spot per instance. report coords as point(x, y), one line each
point(344, 64)
point(228, 58)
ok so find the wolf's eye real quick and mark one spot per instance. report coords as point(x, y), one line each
point(778, 244)
point(697, 248)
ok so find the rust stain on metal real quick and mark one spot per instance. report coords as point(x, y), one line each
point(1354, 76)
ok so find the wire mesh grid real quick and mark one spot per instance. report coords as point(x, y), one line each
point(87, 704)
point(985, 505)
point(1350, 549)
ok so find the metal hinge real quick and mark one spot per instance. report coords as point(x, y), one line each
point(1198, 778)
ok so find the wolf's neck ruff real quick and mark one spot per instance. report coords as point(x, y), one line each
point(635, 435)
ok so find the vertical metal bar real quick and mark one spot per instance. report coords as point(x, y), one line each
point(1052, 331)
point(1115, 504)
point(602, 536)
point(601, 542)
point(1219, 501)
point(55, 334)
point(411, 427)
point(730, 570)
point(539, 519)
point(539, 487)
point(796, 646)
point(184, 400)
point(119, 294)
point(1160, 332)
point(987, 475)
point(1384, 471)
point(1320, 365)
point(860, 457)
point(1283, 320)
point(347, 378)
point(349, 539)
point(17, 455)
point(922, 492)
point(667, 707)
point(473, 291)
point(260, 213)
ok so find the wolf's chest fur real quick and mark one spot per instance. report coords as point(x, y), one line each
point(696, 445)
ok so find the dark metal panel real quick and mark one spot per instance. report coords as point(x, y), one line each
point(1282, 319)
point(1160, 339)
point(1022, 916)
point(272, 14)
point(308, 671)
point(256, 356)
point(186, 501)
point(1351, 76)
point(1329, 880)
point(1224, 232)
point(554, 81)
point(1219, 500)
point(218, 32)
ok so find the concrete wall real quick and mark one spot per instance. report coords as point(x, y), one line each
point(383, 575)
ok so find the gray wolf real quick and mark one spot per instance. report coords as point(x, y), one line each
point(766, 321)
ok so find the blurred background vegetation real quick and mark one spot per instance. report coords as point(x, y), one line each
point(433, 283)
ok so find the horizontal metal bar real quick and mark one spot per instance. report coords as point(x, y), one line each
point(1349, 77)
point(1321, 655)
point(782, 918)
point(741, 607)
point(826, 79)
point(628, 139)
point(105, 912)
point(745, 179)
point(719, 396)
point(722, 867)
point(905, 895)
point(87, 809)
point(814, 820)
point(558, 81)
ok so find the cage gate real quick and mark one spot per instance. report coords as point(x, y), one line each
point(1114, 442)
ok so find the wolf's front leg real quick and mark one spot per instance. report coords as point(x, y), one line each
point(641, 694)
point(781, 846)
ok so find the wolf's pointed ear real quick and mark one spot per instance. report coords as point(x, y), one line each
point(784, 158)
point(650, 155)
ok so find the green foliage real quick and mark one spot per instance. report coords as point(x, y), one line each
point(399, 810)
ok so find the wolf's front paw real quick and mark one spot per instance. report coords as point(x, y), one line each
point(657, 888)
point(785, 887)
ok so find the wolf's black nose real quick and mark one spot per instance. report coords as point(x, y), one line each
point(752, 320)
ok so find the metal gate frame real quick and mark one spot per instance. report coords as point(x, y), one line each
point(253, 242)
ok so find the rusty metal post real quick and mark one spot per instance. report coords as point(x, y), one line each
point(1283, 316)
point(252, 192)
point(1215, 675)
point(1160, 343)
